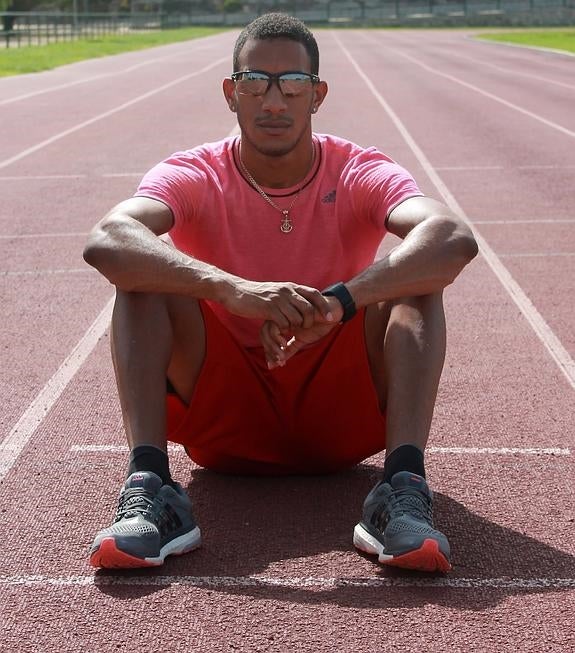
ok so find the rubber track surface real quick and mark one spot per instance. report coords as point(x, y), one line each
point(488, 128)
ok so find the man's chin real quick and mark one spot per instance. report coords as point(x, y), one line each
point(275, 149)
point(272, 145)
point(275, 146)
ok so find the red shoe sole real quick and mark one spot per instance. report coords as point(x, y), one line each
point(108, 556)
point(427, 558)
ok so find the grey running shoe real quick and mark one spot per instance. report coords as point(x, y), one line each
point(152, 521)
point(397, 525)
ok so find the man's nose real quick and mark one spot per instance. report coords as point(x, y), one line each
point(274, 101)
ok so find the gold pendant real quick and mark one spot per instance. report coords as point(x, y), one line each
point(286, 225)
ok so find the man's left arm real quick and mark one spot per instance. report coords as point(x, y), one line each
point(436, 246)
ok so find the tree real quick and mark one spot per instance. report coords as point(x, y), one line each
point(232, 6)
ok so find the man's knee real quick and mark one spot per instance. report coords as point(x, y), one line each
point(416, 316)
point(407, 311)
point(418, 309)
point(405, 319)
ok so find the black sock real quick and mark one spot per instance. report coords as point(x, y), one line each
point(147, 458)
point(406, 458)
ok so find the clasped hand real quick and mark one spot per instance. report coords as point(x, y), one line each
point(294, 315)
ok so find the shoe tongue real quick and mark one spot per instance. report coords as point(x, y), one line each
point(145, 480)
point(408, 479)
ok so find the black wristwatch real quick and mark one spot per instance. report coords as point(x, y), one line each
point(339, 291)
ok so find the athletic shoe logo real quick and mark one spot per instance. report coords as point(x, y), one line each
point(329, 198)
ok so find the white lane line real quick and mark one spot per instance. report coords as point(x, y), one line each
point(39, 177)
point(534, 221)
point(501, 451)
point(537, 255)
point(139, 175)
point(83, 234)
point(491, 96)
point(494, 167)
point(110, 175)
point(543, 166)
point(116, 448)
point(114, 73)
point(464, 451)
point(55, 234)
point(468, 168)
point(301, 582)
point(106, 114)
point(35, 273)
point(115, 175)
point(13, 444)
point(559, 354)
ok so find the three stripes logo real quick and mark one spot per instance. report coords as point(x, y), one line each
point(329, 198)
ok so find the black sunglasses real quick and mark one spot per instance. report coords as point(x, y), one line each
point(258, 82)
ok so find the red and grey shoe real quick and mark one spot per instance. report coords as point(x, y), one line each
point(397, 526)
point(152, 521)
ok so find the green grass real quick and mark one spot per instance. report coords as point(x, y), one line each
point(556, 39)
point(35, 58)
point(30, 59)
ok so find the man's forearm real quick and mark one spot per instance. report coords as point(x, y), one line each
point(427, 260)
point(134, 259)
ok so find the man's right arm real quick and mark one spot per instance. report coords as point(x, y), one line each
point(125, 247)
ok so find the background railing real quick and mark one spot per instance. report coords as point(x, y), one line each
point(31, 28)
point(34, 28)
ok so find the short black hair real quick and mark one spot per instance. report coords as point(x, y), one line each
point(278, 26)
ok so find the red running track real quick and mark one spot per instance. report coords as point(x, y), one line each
point(488, 129)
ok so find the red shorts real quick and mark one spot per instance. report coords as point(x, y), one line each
point(317, 414)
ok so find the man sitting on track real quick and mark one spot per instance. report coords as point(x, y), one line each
point(284, 347)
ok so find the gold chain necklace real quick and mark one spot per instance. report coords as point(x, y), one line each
point(286, 224)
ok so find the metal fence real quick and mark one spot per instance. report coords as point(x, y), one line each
point(31, 28)
point(27, 28)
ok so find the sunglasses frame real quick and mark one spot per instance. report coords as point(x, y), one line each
point(273, 77)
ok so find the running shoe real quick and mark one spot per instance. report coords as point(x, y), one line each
point(153, 521)
point(397, 525)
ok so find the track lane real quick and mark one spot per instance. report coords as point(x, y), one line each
point(201, 619)
point(29, 141)
point(509, 70)
point(446, 113)
point(21, 88)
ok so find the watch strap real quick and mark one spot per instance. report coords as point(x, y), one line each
point(340, 292)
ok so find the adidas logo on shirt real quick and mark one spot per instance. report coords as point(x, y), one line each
point(329, 198)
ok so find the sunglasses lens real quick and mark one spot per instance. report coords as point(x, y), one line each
point(252, 84)
point(294, 83)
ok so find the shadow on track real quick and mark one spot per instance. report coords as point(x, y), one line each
point(302, 527)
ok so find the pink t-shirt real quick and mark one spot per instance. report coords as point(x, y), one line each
point(338, 218)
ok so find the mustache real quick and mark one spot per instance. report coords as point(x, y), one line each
point(266, 121)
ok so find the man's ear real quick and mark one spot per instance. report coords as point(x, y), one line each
point(319, 92)
point(229, 89)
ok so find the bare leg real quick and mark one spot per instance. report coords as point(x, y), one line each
point(406, 348)
point(154, 337)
